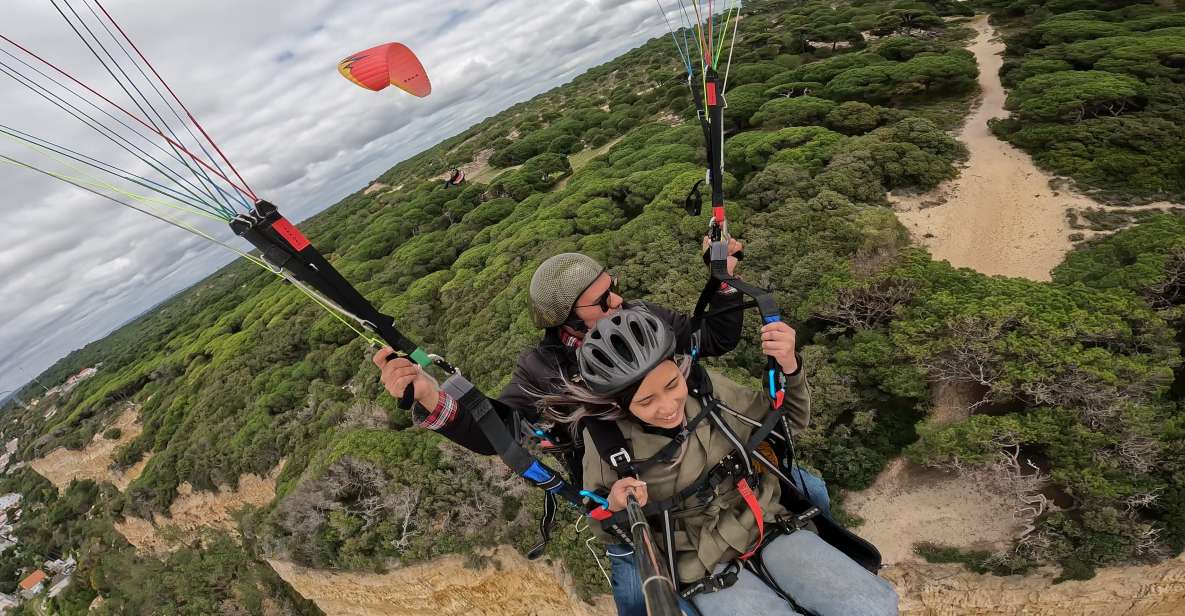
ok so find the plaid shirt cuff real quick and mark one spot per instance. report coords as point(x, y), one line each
point(443, 415)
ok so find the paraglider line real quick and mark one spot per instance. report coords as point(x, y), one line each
point(328, 305)
point(38, 142)
point(121, 83)
point(170, 221)
point(723, 35)
point(107, 132)
point(711, 31)
point(178, 99)
point(240, 198)
point(125, 111)
point(731, 45)
point(682, 52)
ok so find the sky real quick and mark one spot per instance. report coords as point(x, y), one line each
point(261, 77)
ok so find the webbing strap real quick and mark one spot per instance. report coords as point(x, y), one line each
point(546, 521)
point(755, 507)
point(284, 247)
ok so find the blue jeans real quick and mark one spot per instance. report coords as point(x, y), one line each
point(813, 487)
point(623, 572)
point(820, 579)
point(627, 586)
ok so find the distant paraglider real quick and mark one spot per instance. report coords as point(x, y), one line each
point(391, 64)
point(455, 177)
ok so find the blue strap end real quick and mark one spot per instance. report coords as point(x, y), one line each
point(537, 473)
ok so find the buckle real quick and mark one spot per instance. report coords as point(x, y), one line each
point(799, 521)
point(713, 583)
point(619, 457)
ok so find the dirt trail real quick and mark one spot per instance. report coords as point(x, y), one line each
point(193, 511)
point(376, 187)
point(61, 466)
point(479, 167)
point(908, 504)
point(1000, 215)
point(444, 587)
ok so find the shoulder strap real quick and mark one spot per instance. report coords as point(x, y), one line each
point(611, 446)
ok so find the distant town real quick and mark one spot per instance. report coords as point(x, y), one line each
point(53, 576)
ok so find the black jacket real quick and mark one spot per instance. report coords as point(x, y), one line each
point(544, 368)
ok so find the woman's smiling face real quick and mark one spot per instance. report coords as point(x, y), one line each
point(660, 397)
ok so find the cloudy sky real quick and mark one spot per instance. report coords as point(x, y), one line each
point(261, 77)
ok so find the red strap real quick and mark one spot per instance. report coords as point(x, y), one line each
point(751, 501)
point(600, 514)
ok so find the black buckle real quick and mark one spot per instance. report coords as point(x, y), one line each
point(725, 469)
point(799, 521)
point(713, 583)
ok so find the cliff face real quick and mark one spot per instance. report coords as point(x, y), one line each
point(518, 588)
point(948, 590)
point(445, 587)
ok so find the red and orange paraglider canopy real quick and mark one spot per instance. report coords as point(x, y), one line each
point(387, 65)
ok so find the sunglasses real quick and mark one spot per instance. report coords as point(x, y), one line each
point(603, 301)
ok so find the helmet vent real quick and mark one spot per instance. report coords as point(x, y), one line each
point(622, 348)
point(601, 357)
point(636, 330)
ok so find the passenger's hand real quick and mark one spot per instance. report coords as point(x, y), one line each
point(400, 372)
point(621, 488)
point(734, 246)
point(777, 341)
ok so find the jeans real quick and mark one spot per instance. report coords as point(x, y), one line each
point(813, 487)
point(623, 572)
point(820, 579)
point(627, 586)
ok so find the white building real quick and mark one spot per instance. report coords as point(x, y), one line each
point(58, 584)
point(61, 566)
point(8, 602)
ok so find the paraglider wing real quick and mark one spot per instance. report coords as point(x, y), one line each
point(384, 65)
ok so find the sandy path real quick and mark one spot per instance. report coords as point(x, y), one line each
point(1000, 215)
point(478, 167)
point(908, 504)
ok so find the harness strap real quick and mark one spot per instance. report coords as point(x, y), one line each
point(705, 486)
point(515, 456)
point(546, 521)
point(755, 507)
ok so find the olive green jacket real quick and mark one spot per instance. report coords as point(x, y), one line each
point(705, 534)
